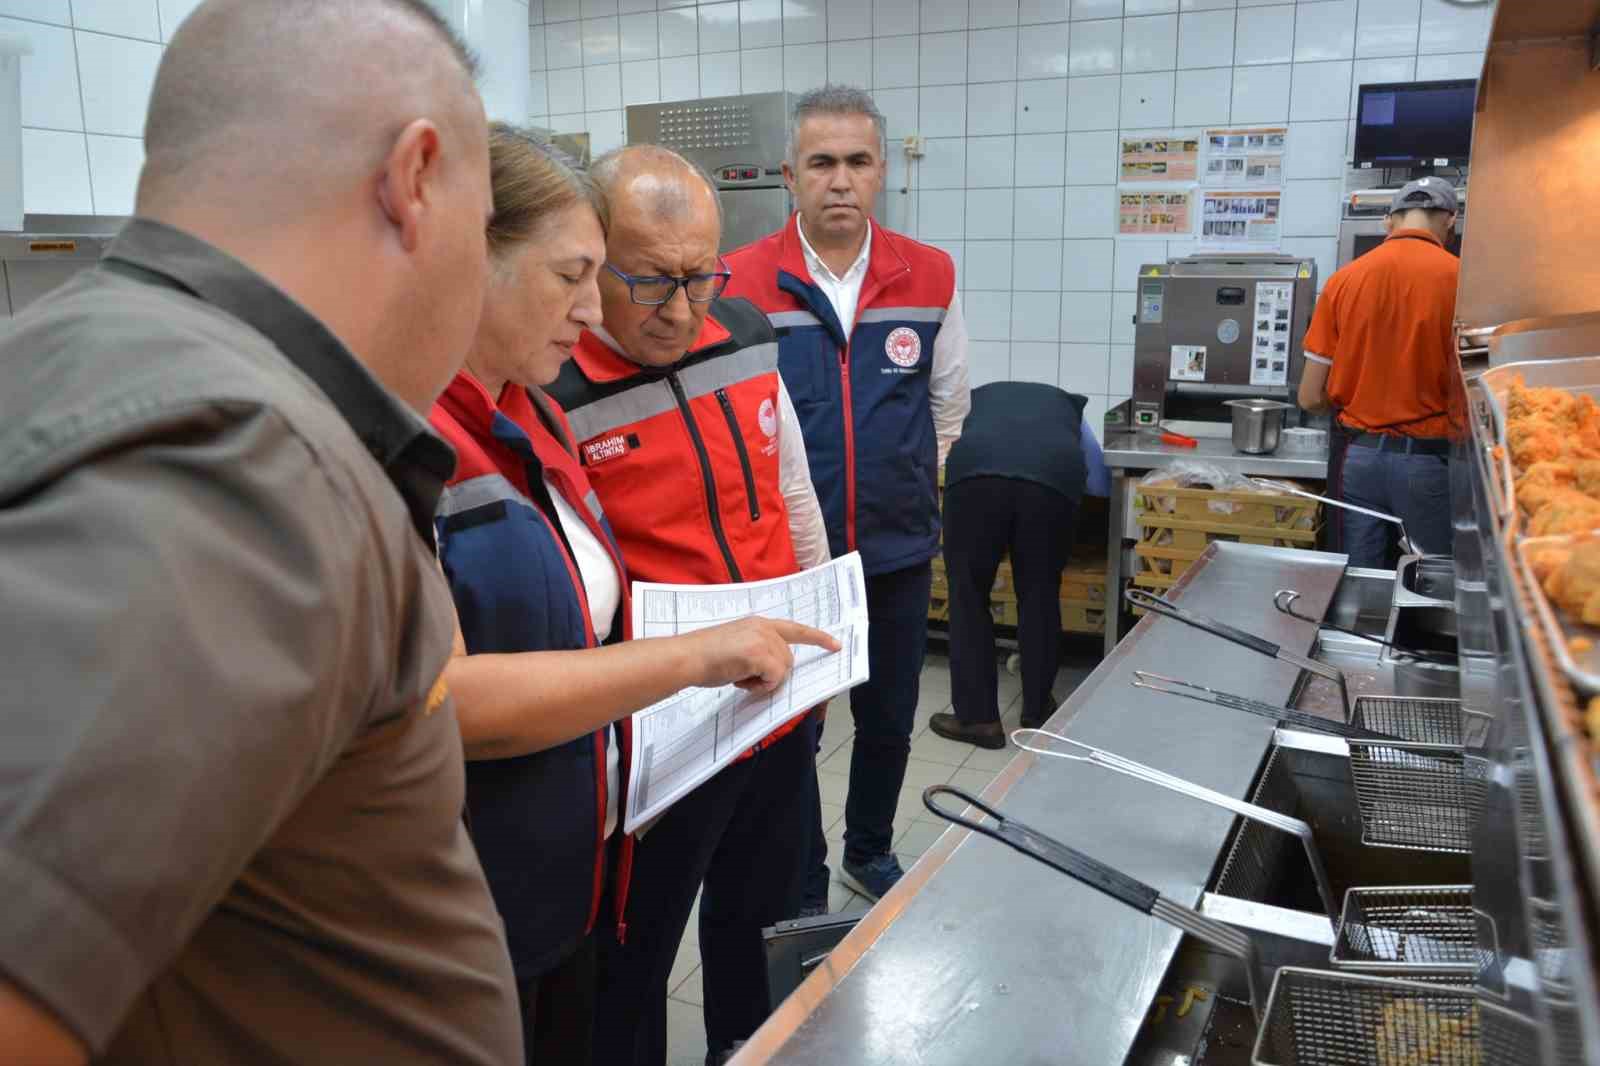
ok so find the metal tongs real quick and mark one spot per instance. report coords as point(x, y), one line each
point(1102, 878)
point(1167, 609)
point(1151, 776)
point(1406, 546)
point(1171, 686)
point(1284, 599)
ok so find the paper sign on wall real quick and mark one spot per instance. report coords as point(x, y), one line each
point(1154, 214)
point(1248, 158)
point(1159, 159)
point(1240, 221)
point(1188, 363)
point(1269, 353)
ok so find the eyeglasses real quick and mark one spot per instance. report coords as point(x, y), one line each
point(653, 290)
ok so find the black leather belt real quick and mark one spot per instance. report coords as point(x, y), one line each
point(1394, 442)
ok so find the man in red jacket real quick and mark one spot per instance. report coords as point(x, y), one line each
point(688, 438)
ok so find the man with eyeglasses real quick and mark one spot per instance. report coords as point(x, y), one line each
point(690, 441)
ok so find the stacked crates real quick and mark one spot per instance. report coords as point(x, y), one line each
point(1083, 595)
point(1176, 524)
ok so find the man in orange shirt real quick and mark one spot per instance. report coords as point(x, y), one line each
point(1379, 353)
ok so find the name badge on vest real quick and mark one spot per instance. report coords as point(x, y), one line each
point(611, 446)
point(904, 349)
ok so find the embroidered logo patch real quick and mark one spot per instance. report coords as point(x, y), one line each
point(767, 415)
point(903, 347)
point(602, 448)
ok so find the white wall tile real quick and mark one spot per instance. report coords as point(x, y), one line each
point(988, 361)
point(1090, 211)
point(1265, 35)
point(1119, 373)
point(989, 211)
point(566, 91)
point(173, 12)
point(760, 23)
point(900, 112)
point(848, 19)
point(1321, 91)
point(1315, 150)
point(1036, 266)
point(55, 179)
point(719, 74)
point(898, 211)
point(891, 17)
point(986, 13)
point(1147, 99)
point(1454, 65)
point(600, 40)
point(1043, 51)
point(1149, 7)
point(1085, 317)
point(624, 7)
point(1122, 305)
point(1036, 316)
point(1377, 71)
point(718, 27)
point(944, 164)
point(943, 111)
point(597, 8)
point(1325, 250)
point(943, 58)
point(850, 62)
point(1042, 106)
point(1031, 360)
point(992, 54)
point(894, 61)
point(641, 82)
point(680, 35)
point(1206, 5)
point(1086, 265)
point(563, 42)
point(1203, 97)
point(638, 37)
point(1205, 39)
point(760, 70)
point(1130, 254)
point(574, 123)
point(1325, 30)
point(606, 130)
point(1311, 208)
point(1082, 368)
point(987, 313)
point(1043, 11)
point(1150, 43)
point(114, 164)
point(1041, 159)
point(1096, 47)
point(804, 21)
point(1096, 9)
point(1387, 28)
point(50, 95)
point(680, 78)
point(538, 47)
point(538, 93)
point(117, 75)
point(1038, 211)
point(125, 18)
point(536, 10)
point(1092, 158)
point(941, 214)
point(562, 10)
point(1261, 94)
point(941, 15)
point(1094, 103)
point(988, 265)
point(602, 87)
point(805, 67)
point(992, 107)
point(1448, 27)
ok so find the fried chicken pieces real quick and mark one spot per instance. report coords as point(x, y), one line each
point(1554, 439)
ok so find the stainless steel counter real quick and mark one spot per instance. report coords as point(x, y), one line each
point(980, 956)
point(1134, 454)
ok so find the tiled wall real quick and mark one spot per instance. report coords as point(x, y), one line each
point(1022, 102)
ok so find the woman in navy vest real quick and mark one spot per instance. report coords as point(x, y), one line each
point(542, 683)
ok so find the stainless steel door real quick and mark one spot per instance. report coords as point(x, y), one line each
point(750, 214)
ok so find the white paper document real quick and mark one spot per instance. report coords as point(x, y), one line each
point(686, 738)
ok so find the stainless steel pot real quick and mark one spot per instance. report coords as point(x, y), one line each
point(1257, 424)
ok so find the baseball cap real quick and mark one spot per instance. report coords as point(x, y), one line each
point(1434, 193)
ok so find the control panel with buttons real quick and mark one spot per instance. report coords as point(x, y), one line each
point(695, 126)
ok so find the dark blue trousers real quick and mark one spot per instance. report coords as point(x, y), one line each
point(1412, 485)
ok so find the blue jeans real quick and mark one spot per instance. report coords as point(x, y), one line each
point(1412, 485)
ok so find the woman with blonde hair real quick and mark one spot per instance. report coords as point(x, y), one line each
point(543, 681)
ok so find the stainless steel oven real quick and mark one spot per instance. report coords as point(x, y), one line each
point(1361, 227)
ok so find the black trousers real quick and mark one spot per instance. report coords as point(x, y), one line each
point(558, 1010)
point(984, 518)
point(744, 834)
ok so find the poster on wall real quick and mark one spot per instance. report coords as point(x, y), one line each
point(1240, 220)
point(1245, 158)
point(1159, 159)
point(1269, 354)
point(1155, 214)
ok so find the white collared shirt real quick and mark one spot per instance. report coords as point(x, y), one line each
point(949, 394)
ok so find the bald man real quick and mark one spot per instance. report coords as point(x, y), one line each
point(232, 780)
point(691, 443)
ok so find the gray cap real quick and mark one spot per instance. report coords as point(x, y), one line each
point(1431, 193)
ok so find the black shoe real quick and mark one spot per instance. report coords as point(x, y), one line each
point(990, 735)
point(813, 909)
point(1035, 723)
point(873, 878)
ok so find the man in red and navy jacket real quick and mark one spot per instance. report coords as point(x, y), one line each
point(874, 352)
point(688, 436)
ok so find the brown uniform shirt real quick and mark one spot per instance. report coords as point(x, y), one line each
point(230, 780)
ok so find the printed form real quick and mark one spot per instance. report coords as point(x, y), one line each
point(686, 738)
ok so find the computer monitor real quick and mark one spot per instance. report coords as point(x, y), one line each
point(1415, 124)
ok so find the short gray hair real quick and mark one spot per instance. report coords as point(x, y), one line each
point(835, 100)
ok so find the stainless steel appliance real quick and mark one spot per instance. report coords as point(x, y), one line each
point(1361, 228)
point(1212, 328)
point(48, 251)
point(740, 140)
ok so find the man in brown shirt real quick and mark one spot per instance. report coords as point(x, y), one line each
point(230, 777)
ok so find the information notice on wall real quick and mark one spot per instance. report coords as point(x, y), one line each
point(1154, 159)
point(1240, 220)
point(1156, 214)
point(1245, 158)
